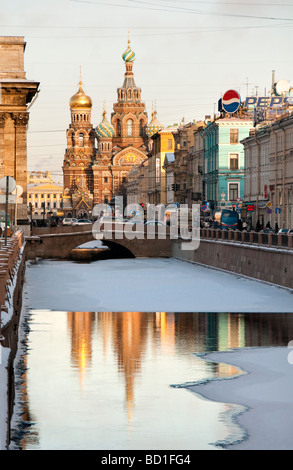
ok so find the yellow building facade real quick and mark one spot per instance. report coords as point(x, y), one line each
point(44, 195)
point(163, 143)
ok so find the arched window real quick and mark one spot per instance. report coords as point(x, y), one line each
point(129, 127)
point(81, 140)
point(118, 128)
point(141, 128)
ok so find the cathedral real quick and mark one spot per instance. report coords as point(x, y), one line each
point(98, 159)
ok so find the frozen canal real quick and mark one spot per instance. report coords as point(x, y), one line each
point(112, 346)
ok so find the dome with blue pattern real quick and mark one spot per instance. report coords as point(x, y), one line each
point(154, 126)
point(105, 128)
point(128, 55)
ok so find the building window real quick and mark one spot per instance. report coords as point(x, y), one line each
point(141, 128)
point(169, 144)
point(129, 127)
point(234, 137)
point(36, 205)
point(105, 179)
point(118, 128)
point(80, 140)
point(233, 191)
point(234, 161)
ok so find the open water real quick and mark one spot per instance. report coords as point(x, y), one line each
point(116, 380)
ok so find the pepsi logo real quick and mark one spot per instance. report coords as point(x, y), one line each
point(231, 101)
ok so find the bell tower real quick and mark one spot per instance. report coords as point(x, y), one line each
point(129, 118)
point(79, 154)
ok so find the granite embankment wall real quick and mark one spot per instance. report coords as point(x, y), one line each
point(12, 271)
point(12, 275)
point(269, 263)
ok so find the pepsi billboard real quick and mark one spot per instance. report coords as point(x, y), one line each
point(268, 101)
point(230, 102)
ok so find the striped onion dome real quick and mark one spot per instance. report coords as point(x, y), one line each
point(154, 126)
point(105, 129)
point(128, 55)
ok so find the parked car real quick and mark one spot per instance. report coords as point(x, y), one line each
point(68, 221)
point(154, 222)
point(289, 231)
point(82, 222)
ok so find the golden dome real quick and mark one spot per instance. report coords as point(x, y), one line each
point(80, 99)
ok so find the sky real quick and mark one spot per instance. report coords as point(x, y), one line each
point(188, 53)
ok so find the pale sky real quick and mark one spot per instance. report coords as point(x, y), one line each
point(188, 53)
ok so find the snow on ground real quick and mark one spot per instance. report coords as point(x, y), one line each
point(148, 285)
point(93, 244)
point(265, 388)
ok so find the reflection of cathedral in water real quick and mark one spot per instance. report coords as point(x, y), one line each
point(127, 339)
point(80, 325)
point(128, 334)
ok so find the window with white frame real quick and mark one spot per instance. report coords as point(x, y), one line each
point(233, 191)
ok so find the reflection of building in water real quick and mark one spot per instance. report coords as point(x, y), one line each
point(166, 323)
point(26, 415)
point(80, 325)
point(231, 330)
point(129, 334)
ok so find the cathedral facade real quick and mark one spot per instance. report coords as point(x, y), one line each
point(98, 159)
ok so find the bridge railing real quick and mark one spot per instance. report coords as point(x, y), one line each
point(277, 240)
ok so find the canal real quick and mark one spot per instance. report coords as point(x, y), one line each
point(96, 378)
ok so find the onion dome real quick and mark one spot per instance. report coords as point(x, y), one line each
point(154, 126)
point(80, 99)
point(128, 55)
point(105, 129)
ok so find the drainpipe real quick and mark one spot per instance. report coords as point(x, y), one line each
point(258, 177)
point(283, 177)
point(276, 158)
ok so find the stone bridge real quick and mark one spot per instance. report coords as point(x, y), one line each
point(265, 257)
point(60, 243)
